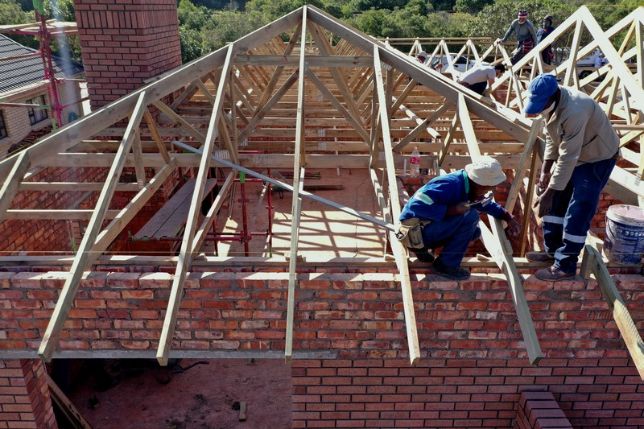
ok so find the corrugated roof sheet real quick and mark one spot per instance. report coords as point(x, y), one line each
point(24, 71)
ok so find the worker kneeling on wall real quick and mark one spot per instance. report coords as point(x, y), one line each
point(581, 150)
point(445, 213)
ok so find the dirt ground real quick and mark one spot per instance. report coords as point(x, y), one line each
point(205, 396)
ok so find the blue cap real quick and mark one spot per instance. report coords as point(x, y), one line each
point(541, 89)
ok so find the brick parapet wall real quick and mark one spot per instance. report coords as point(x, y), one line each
point(126, 43)
point(25, 401)
point(473, 364)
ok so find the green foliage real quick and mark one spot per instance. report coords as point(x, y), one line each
point(12, 13)
point(228, 26)
point(471, 6)
point(62, 10)
point(494, 19)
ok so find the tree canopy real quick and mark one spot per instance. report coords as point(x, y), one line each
point(206, 25)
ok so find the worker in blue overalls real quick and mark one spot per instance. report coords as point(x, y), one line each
point(581, 150)
point(446, 210)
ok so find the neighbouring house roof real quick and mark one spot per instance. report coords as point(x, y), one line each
point(20, 72)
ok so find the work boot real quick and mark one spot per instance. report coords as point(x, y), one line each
point(554, 274)
point(539, 257)
point(424, 255)
point(452, 273)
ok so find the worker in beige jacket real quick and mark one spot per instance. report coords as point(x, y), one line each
point(582, 146)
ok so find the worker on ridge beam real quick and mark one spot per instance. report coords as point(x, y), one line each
point(583, 147)
point(525, 34)
point(479, 77)
point(445, 213)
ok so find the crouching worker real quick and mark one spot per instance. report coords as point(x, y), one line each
point(445, 213)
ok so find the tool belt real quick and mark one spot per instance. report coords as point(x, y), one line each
point(410, 232)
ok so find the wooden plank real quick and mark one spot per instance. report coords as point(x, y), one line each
point(523, 165)
point(52, 214)
point(84, 257)
point(621, 315)
point(313, 60)
point(298, 187)
point(12, 182)
point(497, 244)
point(506, 264)
point(75, 186)
point(65, 405)
point(448, 138)
point(154, 132)
point(207, 221)
point(127, 213)
point(185, 255)
point(168, 221)
point(397, 248)
point(574, 49)
point(139, 169)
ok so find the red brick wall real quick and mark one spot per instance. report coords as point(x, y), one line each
point(473, 368)
point(539, 410)
point(126, 42)
point(48, 235)
point(24, 396)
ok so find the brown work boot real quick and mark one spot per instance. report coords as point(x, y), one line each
point(539, 257)
point(452, 273)
point(554, 274)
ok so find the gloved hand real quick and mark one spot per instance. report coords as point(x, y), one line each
point(513, 229)
point(544, 181)
point(543, 203)
point(458, 210)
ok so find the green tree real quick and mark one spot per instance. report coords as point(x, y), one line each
point(471, 6)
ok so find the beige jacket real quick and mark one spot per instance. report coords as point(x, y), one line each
point(578, 132)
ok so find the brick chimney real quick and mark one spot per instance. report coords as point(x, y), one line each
point(126, 42)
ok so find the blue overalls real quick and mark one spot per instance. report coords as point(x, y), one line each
point(567, 223)
point(453, 233)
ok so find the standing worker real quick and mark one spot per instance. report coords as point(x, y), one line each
point(544, 31)
point(526, 37)
point(583, 147)
point(480, 76)
point(445, 213)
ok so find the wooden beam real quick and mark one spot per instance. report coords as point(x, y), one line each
point(154, 132)
point(12, 182)
point(74, 186)
point(83, 256)
point(499, 247)
point(263, 109)
point(523, 165)
point(53, 214)
point(185, 255)
point(165, 84)
point(326, 49)
point(65, 405)
point(298, 187)
point(336, 103)
point(420, 128)
point(313, 60)
point(137, 150)
point(177, 119)
point(506, 264)
point(621, 315)
point(397, 248)
point(207, 221)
